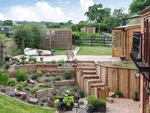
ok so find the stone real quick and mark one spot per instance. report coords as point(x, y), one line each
point(31, 81)
point(39, 80)
point(30, 85)
point(50, 104)
point(12, 94)
point(68, 91)
point(66, 95)
point(48, 74)
point(33, 100)
point(19, 93)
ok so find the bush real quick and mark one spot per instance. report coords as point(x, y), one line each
point(75, 89)
point(23, 96)
point(40, 62)
point(34, 90)
point(48, 62)
point(43, 100)
point(81, 93)
point(27, 89)
point(39, 72)
point(54, 74)
point(118, 93)
point(32, 59)
point(47, 79)
point(60, 64)
point(61, 61)
point(23, 58)
point(3, 90)
point(68, 75)
point(23, 83)
point(4, 78)
point(7, 65)
point(19, 86)
point(42, 104)
point(53, 62)
point(21, 75)
point(34, 76)
point(12, 82)
point(81, 102)
point(41, 84)
point(57, 79)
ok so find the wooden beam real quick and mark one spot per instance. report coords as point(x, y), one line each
point(50, 38)
point(71, 39)
point(122, 42)
point(117, 40)
point(112, 43)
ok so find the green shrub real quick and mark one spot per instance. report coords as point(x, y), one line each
point(34, 76)
point(19, 86)
point(48, 62)
point(3, 90)
point(41, 84)
point(40, 62)
point(75, 89)
point(68, 101)
point(60, 64)
point(61, 61)
point(4, 78)
point(135, 94)
point(118, 93)
point(47, 79)
point(7, 65)
point(32, 59)
point(34, 90)
point(42, 104)
point(55, 97)
point(43, 100)
point(12, 82)
point(53, 62)
point(27, 89)
point(21, 75)
point(39, 72)
point(81, 93)
point(81, 102)
point(54, 74)
point(23, 83)
point(91, 97)
point(68, 75)
point(23, 58)
point(56, 79)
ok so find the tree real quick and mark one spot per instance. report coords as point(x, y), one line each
point(97, 13)
point(61, 24)
point(46, 23)
point(8, 23)
point(138, 5)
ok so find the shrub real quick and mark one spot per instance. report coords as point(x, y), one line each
point(32, 59)
point(23, 58)
point(56, 101)
point(34, 76)
point(43, 100)
point(23, 96)
point(21, 75)
point(12, 82)
point(55, 97)
point(3, 90)
point(27, 89)
point(48, 62)
point(68, 101)
point(81, 93)
point(75, 89)
point(23, 83)
point(68, 75)
point(7, 65)
point(53, 62)
point(47, 79)
point(19, 86)
point(40, 62)
point(41, 84)
point(57, 79)
point(60, 64)
point(81, 102)
point(54, 74)
point(61, 61)
point(91, 97)
point(39, 72)
point(34, 90)
point(118, 93)
point(42, 104)
point(4, 78)
point(135, 94)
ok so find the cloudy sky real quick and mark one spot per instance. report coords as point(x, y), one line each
point(53, 10)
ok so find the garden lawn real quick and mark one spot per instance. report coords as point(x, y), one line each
point(95, 50)
point(60, 52)
point(2, 35)
point(8, 105)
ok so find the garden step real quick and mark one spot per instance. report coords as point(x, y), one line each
point(87, 68)
point(89, 72)
point(111, 94)
point(97, 85)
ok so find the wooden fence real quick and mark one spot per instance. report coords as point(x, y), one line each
point(119, 79)
point(92, 41)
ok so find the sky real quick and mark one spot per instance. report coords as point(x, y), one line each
point(53, 10)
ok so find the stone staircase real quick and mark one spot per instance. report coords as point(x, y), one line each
point(87, 77)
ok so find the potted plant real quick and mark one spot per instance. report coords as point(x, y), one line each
point(41, 59)
point(118, 94)
point(76, 98)
point(69, 101)
point(135, 96)
point(122, 58)
point(7, 58)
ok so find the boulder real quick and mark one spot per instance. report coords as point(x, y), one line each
point(68, 91)
point(39, 80)
point(18, 93)
point(31, 81)
point(30, 85)
point(12, 94)
point(66, 95)
point(48, 74)
point(33, 100)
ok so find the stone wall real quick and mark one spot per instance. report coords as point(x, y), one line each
point(40, 93)
point(65, 82)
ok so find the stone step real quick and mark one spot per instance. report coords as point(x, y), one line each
point(97, 85)
point(89, 72)
point(87, 68)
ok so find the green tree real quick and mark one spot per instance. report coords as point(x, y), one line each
point(97, 13)
point(138, 5)
point(8, 23)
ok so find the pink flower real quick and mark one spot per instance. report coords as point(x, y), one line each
point(23, 96)
point(73, 65)
point(31, 62)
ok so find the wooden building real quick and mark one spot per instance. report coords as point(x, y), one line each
point(122, 38)
point(89, 29)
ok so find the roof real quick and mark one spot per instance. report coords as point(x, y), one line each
point(146, 9)
point(121, 27)
point(134, 16)
point(3, 27)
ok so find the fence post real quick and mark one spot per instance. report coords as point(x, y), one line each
point(91, 40)
point(23, 45)
point(104, 41)
point(78, 40)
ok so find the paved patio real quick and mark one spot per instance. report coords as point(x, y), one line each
point(79, 57)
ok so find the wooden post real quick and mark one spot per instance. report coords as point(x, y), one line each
point(50, 39)
point(106, 76)
point(117, 40)
point(106, 92)
point(104, 41)
point(112, 43)
point(23, 45)
point(71, 39)
point(122, 42)
point(91, 40)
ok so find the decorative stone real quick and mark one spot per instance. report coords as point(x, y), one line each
point(30, 85)
point(109, 99)
point(33, 100)
point(48, 74)
point(66, 95)
point(68, 91)
point(39, 80)
point(11, 94)
point(18, 93)
point(31, 81)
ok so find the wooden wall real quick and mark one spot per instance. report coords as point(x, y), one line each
point(120, 79)
point(89, 29)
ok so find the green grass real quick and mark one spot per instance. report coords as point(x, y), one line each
point(60, 52)
point(8, 105)
point(95, 50)
point(2, 35)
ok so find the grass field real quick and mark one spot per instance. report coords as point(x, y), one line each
point(8, 105)
point(2, 35)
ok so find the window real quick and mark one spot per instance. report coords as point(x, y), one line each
point(2, 29)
